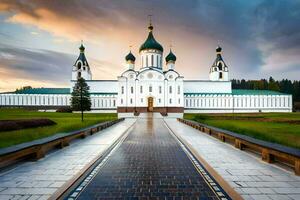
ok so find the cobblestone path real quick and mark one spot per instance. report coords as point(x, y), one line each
point(149, 164)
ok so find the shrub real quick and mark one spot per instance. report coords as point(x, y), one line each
point(64, 110)
point(10, 125)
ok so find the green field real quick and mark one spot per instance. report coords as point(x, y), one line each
point(281, 128)
point(65, 122)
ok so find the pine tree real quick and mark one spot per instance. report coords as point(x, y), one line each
point(273, 85)
point(80, 100)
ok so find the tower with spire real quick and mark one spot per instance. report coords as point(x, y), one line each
point(81, 68)
point(219, 70)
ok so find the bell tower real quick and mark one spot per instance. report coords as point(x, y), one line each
point(219, 70)
point(81, 68)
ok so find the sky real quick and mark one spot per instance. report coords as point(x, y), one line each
point(39, 39)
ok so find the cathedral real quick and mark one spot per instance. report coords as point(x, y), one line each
point(152, 86)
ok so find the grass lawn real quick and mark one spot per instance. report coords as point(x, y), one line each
point(65, 122)
point(281, 128)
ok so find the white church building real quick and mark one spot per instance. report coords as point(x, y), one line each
point(152, 86)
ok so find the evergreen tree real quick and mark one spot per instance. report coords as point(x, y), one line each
point(80, 100)
point(273, 85)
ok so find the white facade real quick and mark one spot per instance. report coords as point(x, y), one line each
point(153, 87)
point(136, 87)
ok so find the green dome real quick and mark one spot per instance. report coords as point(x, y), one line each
point(150, 42)
point(170, 57)
point(130, 56)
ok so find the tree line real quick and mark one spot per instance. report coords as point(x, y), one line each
point(284, 86)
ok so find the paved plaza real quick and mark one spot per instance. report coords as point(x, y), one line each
point(246, 173)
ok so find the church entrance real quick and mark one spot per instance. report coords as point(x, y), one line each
point(150, 104)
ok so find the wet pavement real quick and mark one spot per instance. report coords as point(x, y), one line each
point(149, 164)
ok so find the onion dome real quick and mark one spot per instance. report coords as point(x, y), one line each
point(218, 49)
point(150, 42)
point(170, 57)
point(81, 56)
point(130, 57)
point(81, 48)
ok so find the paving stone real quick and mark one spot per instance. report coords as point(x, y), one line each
point(57, 184)
point(279, 197)
point(250, 190)
point(266, 190)
point(294, 196)
point(149, 163)
point(260, 197)
point(247, 197)
point(34, 197)
point(6, 197)
point(287, 190)
point(237, 166)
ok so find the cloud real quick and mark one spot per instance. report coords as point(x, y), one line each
point(256, 35)
point(49, 68)
point(36, 64)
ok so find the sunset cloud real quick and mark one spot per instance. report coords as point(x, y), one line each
point(258, 37)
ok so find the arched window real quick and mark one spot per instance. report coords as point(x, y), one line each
point(152, 60)
point(79, 65)
point(159, 89)
point(141, 89)
point(146, 61)
point(160, 62)
point(79, 75)
point(220, 75)
point(122, 89)
point(170, 89)
point(178, 90)
point(157, 61)
point(150, 88)
point(220, 65)
point(170, 101)
point(131, 90)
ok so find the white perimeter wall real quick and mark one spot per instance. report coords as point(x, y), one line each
point(237, 103)
point(197, 86)
point(55, 100)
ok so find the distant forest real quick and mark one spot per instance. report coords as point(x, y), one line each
point(285, 86)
